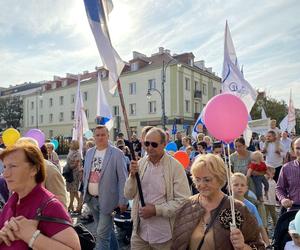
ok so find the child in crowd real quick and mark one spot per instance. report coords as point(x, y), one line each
point(257, 164)
point(295, 235)
point(239, 189)
point(270, 201)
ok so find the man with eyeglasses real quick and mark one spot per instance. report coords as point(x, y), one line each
point(288, 185)
point(165, 188)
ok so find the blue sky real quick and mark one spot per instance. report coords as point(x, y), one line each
point(39, 39)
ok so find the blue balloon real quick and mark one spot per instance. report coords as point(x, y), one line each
point(88, 134)
point(55, 143)
point(171, 146)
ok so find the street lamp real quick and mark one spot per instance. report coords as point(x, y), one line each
point(162, 93)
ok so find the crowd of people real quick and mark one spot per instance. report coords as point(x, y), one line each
point(182, 208)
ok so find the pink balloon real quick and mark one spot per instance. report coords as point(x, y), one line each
point(226, 117)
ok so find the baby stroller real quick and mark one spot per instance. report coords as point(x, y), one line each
point(124, 222)
point(281, 234)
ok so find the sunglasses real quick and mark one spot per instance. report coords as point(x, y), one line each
point(153, 144)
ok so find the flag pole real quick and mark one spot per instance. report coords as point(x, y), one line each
point(138, 181)
point(125, 120)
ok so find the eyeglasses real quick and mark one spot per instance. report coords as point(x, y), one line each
point(204, 180)
point(153, 144)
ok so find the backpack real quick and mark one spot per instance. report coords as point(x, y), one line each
point(86, 238)
point(68, 173)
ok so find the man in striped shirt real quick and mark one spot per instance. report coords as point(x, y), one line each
point(288, 185)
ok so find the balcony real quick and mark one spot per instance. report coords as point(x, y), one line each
point(198, 94)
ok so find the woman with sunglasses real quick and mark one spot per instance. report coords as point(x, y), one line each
point(203, 222)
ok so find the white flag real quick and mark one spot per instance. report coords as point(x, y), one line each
point(104, 116)
point(289, 122)
point(233, 80)
point(97, 12)
point(81, 125)
point(263, 113)
point(199, 125)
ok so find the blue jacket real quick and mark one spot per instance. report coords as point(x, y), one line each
point(112, 181)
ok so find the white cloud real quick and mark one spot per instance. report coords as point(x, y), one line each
point(57, 37)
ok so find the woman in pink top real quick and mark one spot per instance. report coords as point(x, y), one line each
point(24, 172)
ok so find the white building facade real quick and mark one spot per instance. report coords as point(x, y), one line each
point(188, 87)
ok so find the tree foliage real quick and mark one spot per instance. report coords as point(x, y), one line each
point(274, 109)
point(11, 111)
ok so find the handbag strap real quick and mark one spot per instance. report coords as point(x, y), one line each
point(40, 217)
point(212, 221)
point(53, 219)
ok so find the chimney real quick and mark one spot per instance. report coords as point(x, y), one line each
point(161, 50)
point(167, 51)
point(200, 64)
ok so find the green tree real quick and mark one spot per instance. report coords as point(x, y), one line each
point(11, 111)
point(274, 109)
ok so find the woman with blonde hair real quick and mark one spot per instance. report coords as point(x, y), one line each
point(24, 172)
point(203, 222)
point(75, 164)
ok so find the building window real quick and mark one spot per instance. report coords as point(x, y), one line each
point(204, 89)
point(50, 102)
point(32, 120)
point(152, 107)
point(116, 110)
point(73, 98)
point(132, 109)
point(32, 105)
point(134, 66)
point(87, 113)
point(214, 91)
point(61, 100)
point(187, 84)
point(85, 95)
point(197, 86)
point(72, 115)
point(132, 88)
point(50, 117)
point(187, 106)
point(61, 116)
point(41, 119)
point(50, 133)
point(41, 103)
point(151, 84)
point(197, 107)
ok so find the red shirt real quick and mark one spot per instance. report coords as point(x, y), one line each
point(261, 167)
point(28, 207)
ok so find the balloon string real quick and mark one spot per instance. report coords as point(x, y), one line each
point(229, 185)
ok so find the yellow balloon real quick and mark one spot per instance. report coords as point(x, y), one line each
point(10, 136)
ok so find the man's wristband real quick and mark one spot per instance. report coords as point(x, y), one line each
point(33, 238)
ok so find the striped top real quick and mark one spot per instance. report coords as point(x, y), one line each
point(288, 185)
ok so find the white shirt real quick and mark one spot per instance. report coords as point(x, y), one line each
point(286, 143)
point(273, 159)
point(271, 193)
point(156, 229)
point(290, 245)
point(95, 174)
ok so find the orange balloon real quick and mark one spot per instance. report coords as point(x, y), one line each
point(183, 158)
